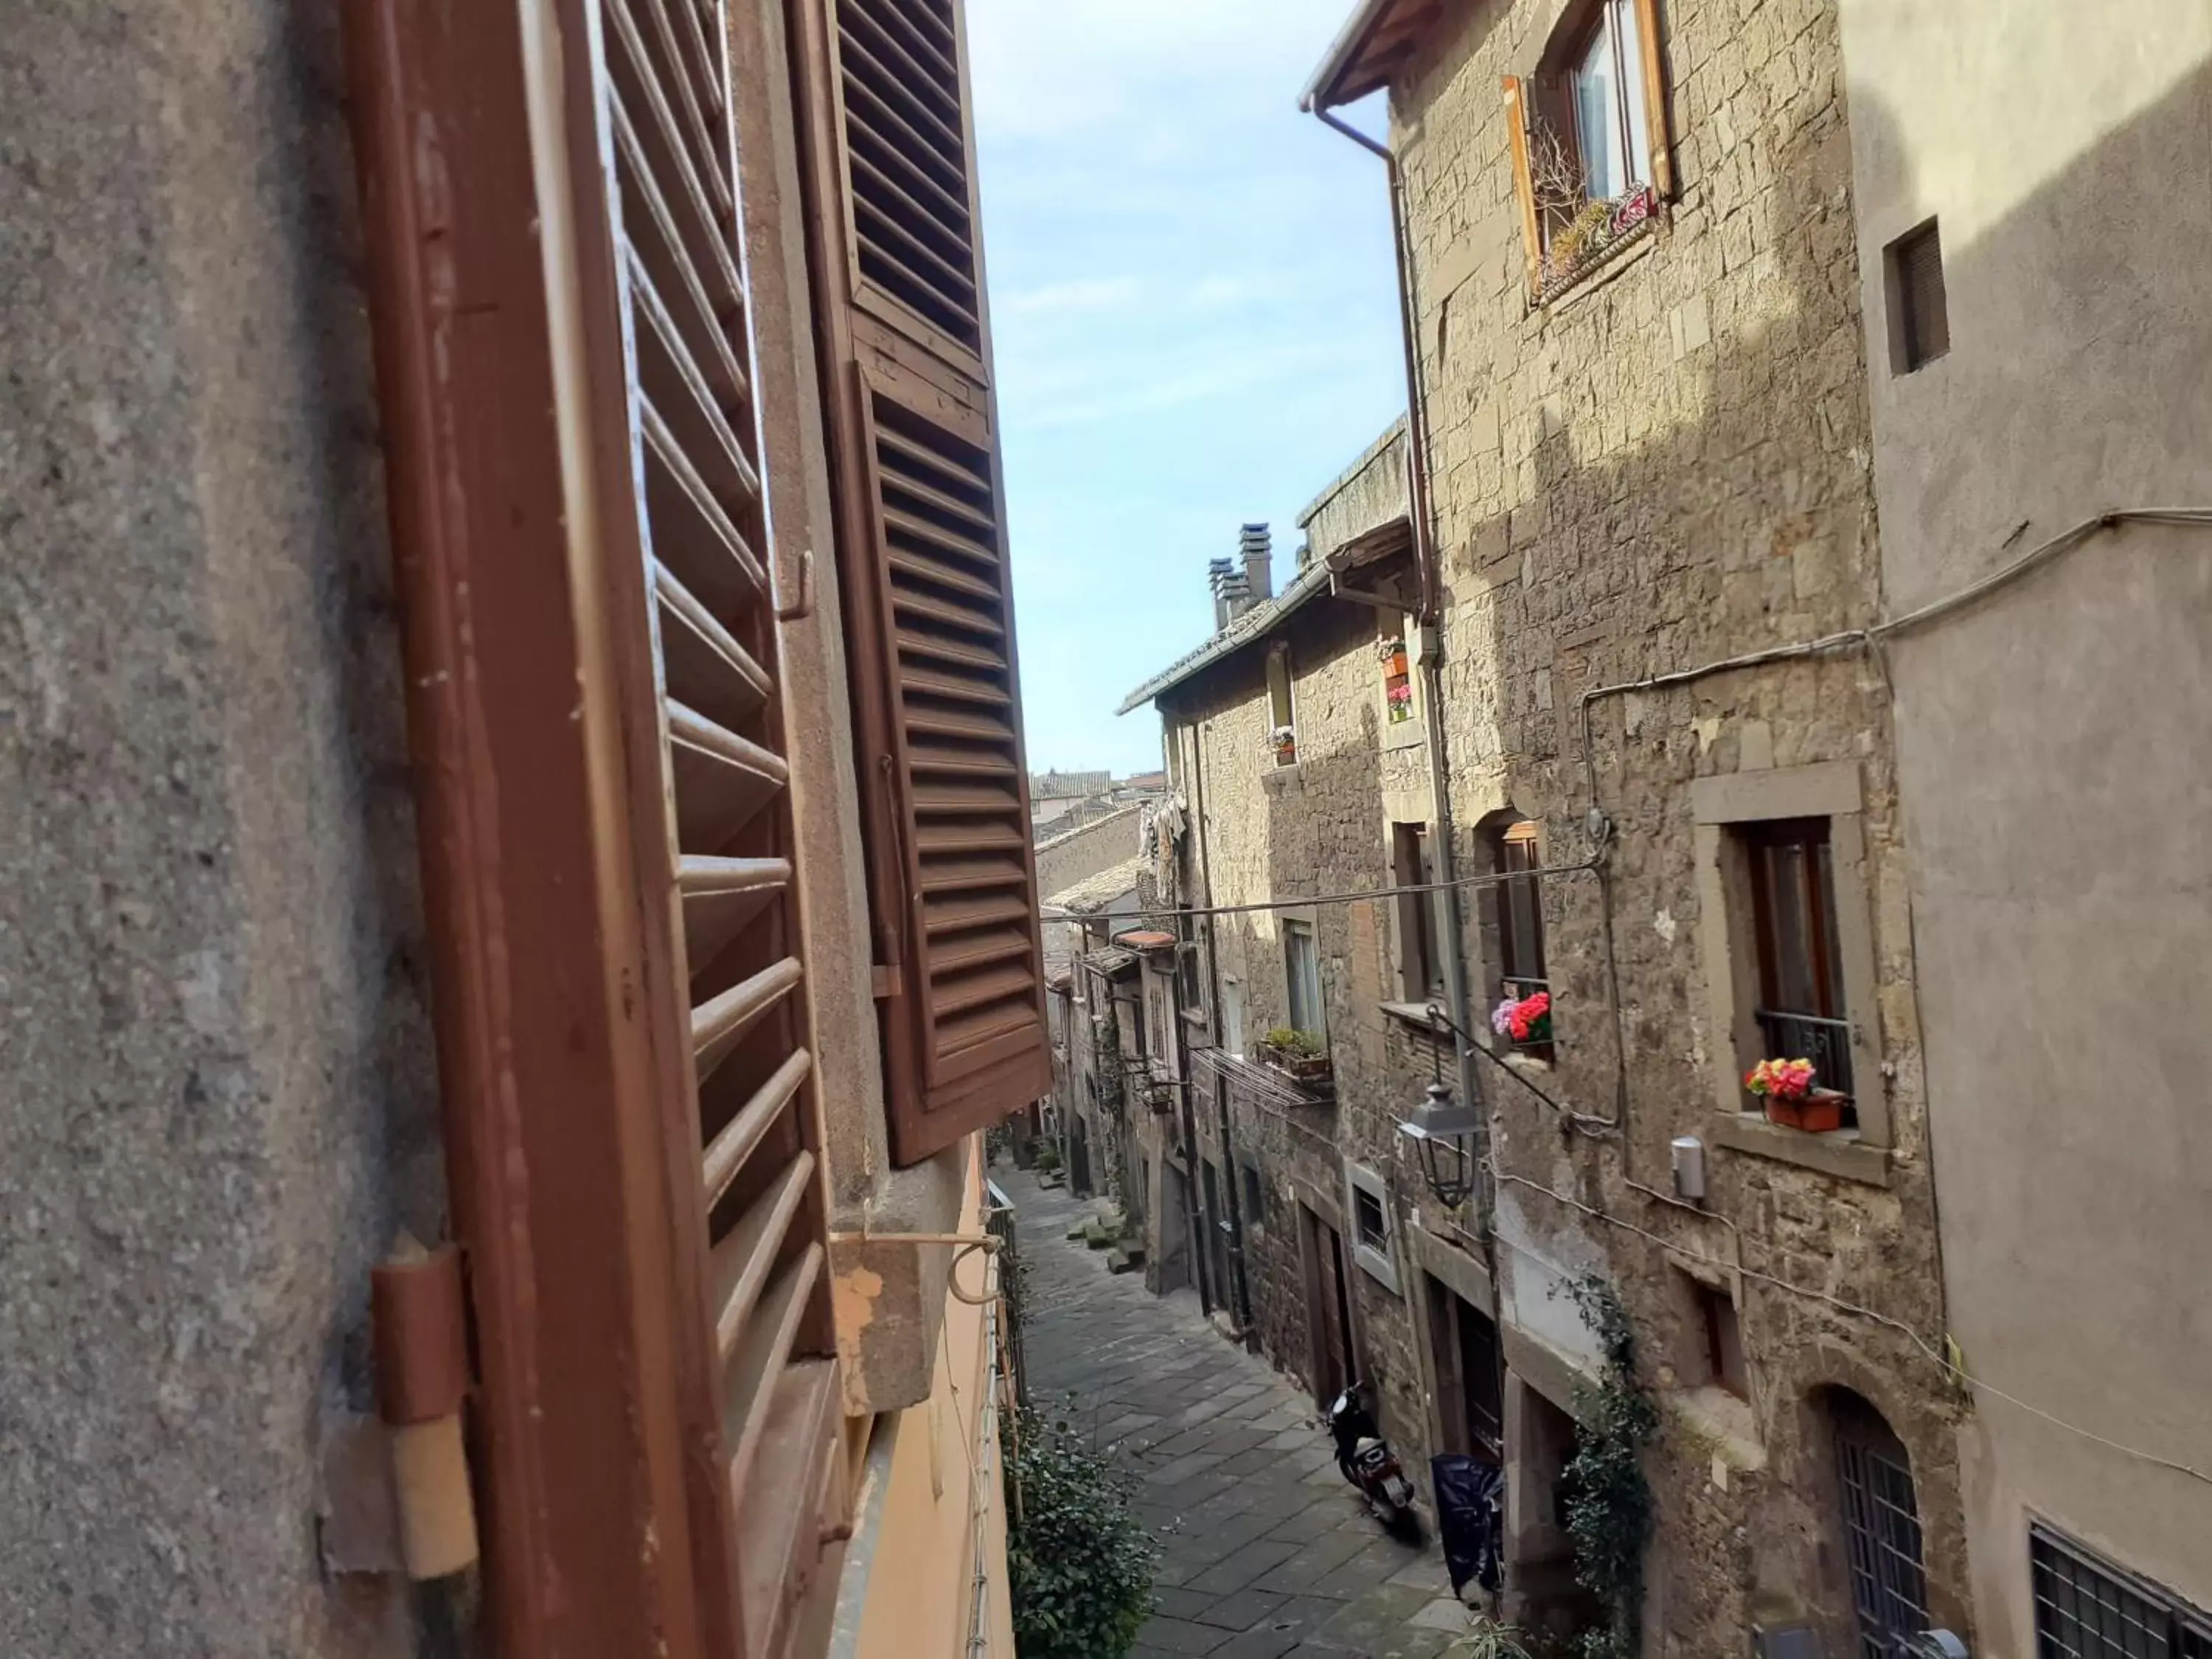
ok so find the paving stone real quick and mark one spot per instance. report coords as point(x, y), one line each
point(1177, 1635)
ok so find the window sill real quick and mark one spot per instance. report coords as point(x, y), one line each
point(1404, 734)
point(1724, 1422)
point(1415, 1014)
point(1842, 1154)
point(1378, 1266)
point(1615, 258)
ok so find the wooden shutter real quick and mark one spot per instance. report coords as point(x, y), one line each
point(1524, 186)
point(1656, 124)
point(904, 335)
point(565, 344)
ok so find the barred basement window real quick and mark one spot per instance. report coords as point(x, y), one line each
point(2085, 1609)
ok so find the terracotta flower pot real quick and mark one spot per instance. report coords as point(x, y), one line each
point(1817, 1114)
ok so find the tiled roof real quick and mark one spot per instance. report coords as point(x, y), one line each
point(1094, 893)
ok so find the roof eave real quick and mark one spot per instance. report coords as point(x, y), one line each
point(1323, 90)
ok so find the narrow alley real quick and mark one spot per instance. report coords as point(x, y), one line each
point(1265, 1552)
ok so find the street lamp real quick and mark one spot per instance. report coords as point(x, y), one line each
point(1443, 1131)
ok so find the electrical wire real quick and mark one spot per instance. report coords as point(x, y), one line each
point(1935, 1355)
point(1360, 896)
point(1871, 637)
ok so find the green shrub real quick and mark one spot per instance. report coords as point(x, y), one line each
point(1305, 1045)
point(1079, 1561)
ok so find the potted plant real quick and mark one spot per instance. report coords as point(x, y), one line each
point(1793, 1096)
point(1394, 659)
point(1284, 739)
point(1300, 1055)
point(1527, 1020)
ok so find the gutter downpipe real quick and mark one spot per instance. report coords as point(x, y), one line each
point(1455, 987)
point(1431, 654)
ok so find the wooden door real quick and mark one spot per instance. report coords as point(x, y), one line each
point(1328, 1310)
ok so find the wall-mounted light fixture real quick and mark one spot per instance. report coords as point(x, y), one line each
point(1443, 1130)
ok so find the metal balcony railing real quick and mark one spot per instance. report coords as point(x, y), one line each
point(1825, 1043)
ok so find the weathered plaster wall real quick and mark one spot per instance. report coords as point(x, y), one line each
point(219, 1100)
point(1667, 466)
point(2056, 743)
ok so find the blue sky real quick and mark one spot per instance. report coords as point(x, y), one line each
point(1192, 304)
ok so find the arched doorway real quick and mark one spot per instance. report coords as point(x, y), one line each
point(1880, 1517)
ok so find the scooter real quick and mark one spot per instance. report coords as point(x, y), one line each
point(1364, 1458)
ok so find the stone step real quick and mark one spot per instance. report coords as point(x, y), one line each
point(1125, 1258)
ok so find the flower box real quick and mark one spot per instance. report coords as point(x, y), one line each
point(1298, 1057)
point(1818, 1113)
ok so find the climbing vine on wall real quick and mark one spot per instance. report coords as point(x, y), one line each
point(1608, 1501)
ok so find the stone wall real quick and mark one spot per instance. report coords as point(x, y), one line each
point(1266, 832)
point(1667, 466)
point(221, 1103)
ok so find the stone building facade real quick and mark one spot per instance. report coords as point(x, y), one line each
point(1641, 468)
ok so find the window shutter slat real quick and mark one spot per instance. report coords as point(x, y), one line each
point(922, 551)
point(1655, 97)
point(1524, 187)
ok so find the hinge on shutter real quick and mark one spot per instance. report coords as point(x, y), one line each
point(418, 1313)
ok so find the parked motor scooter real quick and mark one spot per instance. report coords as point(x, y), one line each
point(1364, 1458)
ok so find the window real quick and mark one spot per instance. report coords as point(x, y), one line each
point(1232, 1017)
point(1791, 867)
point(1723, 1339)
point(1371, 1227)
point(1397, 706)
point(1420, 920)
point(1518, 912)
point(1302, 976)
point(1282, 736)
point(1589, 132)
point(1882, 1526)
point(1606, 92)
point(2085, 1609)
point(1190, 986)
point(1786, 930)
point(1919, 312)
point(1256, 1197)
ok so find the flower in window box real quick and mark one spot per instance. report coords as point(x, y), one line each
point(1791, 1090)
point(1525, 1019)
point(1400, 693)
point(1394, 659)
point(1283, 741)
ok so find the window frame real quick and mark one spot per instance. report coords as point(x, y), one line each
point(1420, 927)
point(1513, 842)
point(1722, 805)
point(1378, 1261)
point(1294, 930)
point(1282, 705)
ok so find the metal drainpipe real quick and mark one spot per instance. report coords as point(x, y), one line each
point(1239, 1268)
point(1425, 556)
point(1417, 478)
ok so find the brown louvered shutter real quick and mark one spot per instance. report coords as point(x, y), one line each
point(564, 346)
point(905, 336)
point(746, 1116)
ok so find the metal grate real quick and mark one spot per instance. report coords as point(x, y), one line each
point(2085, 1610)
point(1881, 1527)
point(1825, 1043)
point(907, 146)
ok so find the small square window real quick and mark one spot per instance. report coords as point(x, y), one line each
point(1373, 1246)
point(1919, 312)
point(1723, 1363)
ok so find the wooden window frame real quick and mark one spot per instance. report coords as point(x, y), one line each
point(1537, 95)
point(1919, 312)
point(1420, 925)
point(1295, 929)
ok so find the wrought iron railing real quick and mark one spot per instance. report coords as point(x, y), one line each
point(999, 1222)
point(1825, 1043)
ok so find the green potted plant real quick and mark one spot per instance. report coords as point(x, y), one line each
point(1300, 1055)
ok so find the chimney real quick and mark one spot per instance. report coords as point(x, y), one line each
point(1259, 560)
point(1232, 598)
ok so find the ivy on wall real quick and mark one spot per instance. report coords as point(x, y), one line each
point(1607, 1500)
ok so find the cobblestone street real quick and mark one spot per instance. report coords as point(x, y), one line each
point(1265, 1552)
